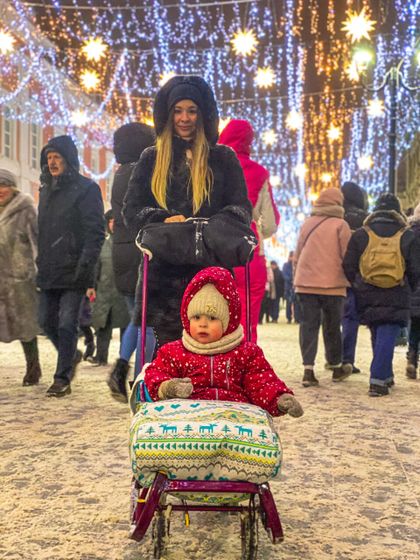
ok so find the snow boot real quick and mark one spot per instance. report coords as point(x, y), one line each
point(117, 380)
point(33, 368)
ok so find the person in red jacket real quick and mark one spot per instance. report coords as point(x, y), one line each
point(212, 361)
point(239, 134)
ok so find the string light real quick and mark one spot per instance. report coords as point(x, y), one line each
point(265, 77)
point(7, 42)
point(358, 25)
point(94, 49)
point(244, 42)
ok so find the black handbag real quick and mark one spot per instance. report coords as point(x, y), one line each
point(216, 241)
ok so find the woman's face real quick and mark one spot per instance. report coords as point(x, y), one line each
point(6, 194)
point(185, 119)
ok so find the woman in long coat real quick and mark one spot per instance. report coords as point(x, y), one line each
point(18, 295)
point(186, 174)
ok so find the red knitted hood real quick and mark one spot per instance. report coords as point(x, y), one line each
point(239, 134)
point(224, 282)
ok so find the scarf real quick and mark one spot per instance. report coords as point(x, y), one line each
point(221, 346)
point(333, 210)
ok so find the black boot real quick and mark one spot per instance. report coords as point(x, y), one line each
point(117, 380)
point(33, 369)
point(412, 362)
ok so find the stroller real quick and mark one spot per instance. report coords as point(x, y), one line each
point(149, 502)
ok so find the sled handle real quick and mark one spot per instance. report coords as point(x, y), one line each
point(144, 310)
point(248, 302)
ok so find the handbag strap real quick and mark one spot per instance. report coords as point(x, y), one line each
point(312, 230)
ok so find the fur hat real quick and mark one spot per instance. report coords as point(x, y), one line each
point(187, 87)
point(330, 197)
point(387, 201)
point(212, 291)
point(8, 179)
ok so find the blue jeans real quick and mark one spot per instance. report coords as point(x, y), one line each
point(383, 339)
point(350, 324)
point(59, 319)
point(131, 340)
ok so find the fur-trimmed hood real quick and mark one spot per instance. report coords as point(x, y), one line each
point(130, 140)
point(386, 215)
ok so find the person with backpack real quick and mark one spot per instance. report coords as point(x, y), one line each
point(320, 283)
point(382, 263)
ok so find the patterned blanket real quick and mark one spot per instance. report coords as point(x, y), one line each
point(203, 440)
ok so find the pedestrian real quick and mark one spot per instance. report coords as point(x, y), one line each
point(355, 213)
point(18, 295)
point(236, 371)
point(71, 233)
point(278, 280)
point(320, 283)
point(109, 308)
point(382, 263)
point(185, 175)
point(239, 135)
point(414, 328)
point(289, 292)
point(129, 142)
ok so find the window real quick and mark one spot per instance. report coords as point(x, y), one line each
point(8, 134)
point(34, 132)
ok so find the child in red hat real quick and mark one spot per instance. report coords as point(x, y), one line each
point(212, 361)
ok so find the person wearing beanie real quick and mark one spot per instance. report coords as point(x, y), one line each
point(71, 233)
point(414, 324)
point(355, 212)
point(239, 135)
point(19, 298)
point(383, 284)
point(130, 140)
point(185, 175)
point(212, 361)
point(320, 283)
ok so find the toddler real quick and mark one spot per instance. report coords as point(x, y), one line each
point(212, 361)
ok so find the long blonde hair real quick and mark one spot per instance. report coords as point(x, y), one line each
point(201, 176)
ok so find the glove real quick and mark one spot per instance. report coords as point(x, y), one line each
point(288, 404)
point(180, 387)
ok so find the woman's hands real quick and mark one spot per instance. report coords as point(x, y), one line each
point(177, 218)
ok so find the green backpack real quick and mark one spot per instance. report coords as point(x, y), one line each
point(382, 263)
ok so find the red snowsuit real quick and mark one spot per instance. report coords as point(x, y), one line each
point(241, 374)
point(238, 134)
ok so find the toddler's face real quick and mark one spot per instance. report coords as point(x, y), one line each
point(206, 329)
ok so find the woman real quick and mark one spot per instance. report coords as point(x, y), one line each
point(186, 174)
point(18, 296)
point(239, 134)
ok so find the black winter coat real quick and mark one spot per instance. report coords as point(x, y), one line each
point(125, 255)
point(415, 296)
point(167, 283)
point(383, 305)
point(355, 205)
point(71, 223)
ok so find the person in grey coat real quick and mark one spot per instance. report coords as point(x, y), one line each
point(18, 295)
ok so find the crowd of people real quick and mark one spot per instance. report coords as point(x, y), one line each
point(68, 267)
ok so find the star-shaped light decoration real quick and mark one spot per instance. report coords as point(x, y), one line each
point(376, 108)
point(300, 170)
point(244, 42)
point(334, 133)
point(301, 217)
point(294, 201)
point(269, 137)
point(313, 196)
point(294, 120)
point(79, 117)
point(94, 49)
point(223, 122)
point(326, 177)
point(165, 77)
point(265, 77)
point(358, 25)
point(275, 181)
point(362, 58)
point(89, 80)
point(352, 72)
point(7, 42)
point(365, 162)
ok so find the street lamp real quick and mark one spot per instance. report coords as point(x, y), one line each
point(394, 79)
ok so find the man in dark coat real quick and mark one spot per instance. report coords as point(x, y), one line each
point(384, 310)
point(355, 213)
point(278, 279)
point(71, 233)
